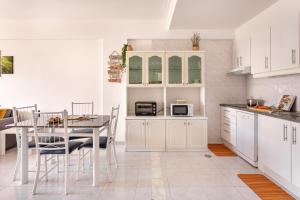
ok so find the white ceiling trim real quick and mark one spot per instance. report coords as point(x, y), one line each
point(171, 10)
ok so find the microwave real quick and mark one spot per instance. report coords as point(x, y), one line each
point(145, 108)
point(182, 110)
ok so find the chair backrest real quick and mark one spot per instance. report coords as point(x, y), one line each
point(47, 131)
point(23, 114)
point(83, 108)
point(113, 123)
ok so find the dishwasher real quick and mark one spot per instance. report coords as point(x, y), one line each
point(247, 139)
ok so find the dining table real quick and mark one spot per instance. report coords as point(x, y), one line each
point(99, 123)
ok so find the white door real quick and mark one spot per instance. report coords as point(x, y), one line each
point(156, 134)
point(246, 136)
point(135, 134)
point(275, 145)
point(175, 69)
point(155, 69)
point(193, 69)
point(244, 51)
point(260, 50)
point(176, 134)
point(136, 69)
point(196, 134)
point(296, 155)
point(285, 36)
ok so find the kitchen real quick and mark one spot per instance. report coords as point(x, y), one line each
point(208, 93)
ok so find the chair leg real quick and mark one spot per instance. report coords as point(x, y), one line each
point(108, 161)
point(17, 167)
point(78, 164)
point(90, 158)
point(37, 174)
point(67, 158)
point(57, 163)
point(115, 155)
point(46, 168)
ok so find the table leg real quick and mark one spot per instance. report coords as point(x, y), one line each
point(96, 164)
point(24, 156)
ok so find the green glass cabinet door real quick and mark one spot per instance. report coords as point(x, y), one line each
point(175, 64)
point(194, 69)
point(135, 67)
point(155, 70)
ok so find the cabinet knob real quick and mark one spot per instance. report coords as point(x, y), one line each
point(293, 56)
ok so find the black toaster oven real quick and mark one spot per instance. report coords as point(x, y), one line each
point(145, 108)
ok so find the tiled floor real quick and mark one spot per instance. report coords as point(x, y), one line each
point(141, 176)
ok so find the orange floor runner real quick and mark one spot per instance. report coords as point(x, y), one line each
point(220, 150)
point(264, 188)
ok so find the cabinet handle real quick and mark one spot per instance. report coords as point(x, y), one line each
point(238, 61)
point(266, 62)
point(293, 56)
point(143, 123)
point(184, 123)
point(189, 123)
point(285, 133)
point(294, 135)
point(241, 63)
point(283, 138)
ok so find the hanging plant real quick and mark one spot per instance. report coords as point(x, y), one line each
point(124, 49)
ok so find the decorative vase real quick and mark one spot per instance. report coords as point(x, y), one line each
point(196, 48)
point(129, 47)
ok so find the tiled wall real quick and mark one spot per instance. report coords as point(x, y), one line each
point(270, 89)
point(220, 87)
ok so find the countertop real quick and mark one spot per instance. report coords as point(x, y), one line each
point(289, 116)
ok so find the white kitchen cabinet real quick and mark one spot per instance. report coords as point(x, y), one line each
point(145, 135)
point(175, 69)
point(196, 137)
point(155, 134)
point(260, 50)
point(243, 52)
point(275, 146)
point(284, 24)
point(145, 69)
point(155, 70)
point(185, 69)
point(296, 154)
point(186, 134)
point(176, 134)
point(193, 69)
point(228, 125)
point(135, 134)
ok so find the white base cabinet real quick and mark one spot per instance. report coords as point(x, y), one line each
point(166, 134)
point(279, 150)
point(145, 135)
point(186, 134)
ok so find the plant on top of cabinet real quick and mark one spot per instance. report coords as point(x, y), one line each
point(195, 41)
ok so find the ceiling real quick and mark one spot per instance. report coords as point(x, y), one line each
point(215, 14)
point(84, 9)
point(187, 14)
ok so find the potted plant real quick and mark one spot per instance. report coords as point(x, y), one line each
point(195, 41)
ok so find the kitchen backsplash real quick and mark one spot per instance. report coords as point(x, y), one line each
point(270, 89)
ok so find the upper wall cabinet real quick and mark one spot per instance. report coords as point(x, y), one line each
point(274, 39)
point(185, 69)
point(260, 50)
point(284, 23)
point(145, 69)
point(242, 52)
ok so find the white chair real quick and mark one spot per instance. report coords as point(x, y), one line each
point(82, 109)
point(52, 138)
point(22, 114)
point(106, 142)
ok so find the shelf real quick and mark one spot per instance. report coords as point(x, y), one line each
point(162, 117)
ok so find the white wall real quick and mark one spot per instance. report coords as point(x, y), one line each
point(113, 34)
point(51, 73)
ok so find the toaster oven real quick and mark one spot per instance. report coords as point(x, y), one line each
point(145, 108)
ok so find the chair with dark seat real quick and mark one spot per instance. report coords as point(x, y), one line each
point(82, 109)
point(52, 138)
point(106, 142)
